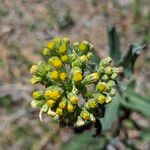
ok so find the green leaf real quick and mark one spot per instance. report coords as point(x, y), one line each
point(111, 113)
point(85, 141)
point(114, 44)
point(145, 134)
point(138, 103)
point(130, 58)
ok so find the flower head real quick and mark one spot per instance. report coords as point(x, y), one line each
point(73, 92)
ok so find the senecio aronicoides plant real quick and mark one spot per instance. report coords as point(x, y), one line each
point(73, 94)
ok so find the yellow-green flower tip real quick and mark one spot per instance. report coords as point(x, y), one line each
point(74, 99)
point(57, 40)
point(37, 95)
point(63, 76)
point(52, 94)
point(54, 75)
point(51, 45)
point(62, 49)
point(33, 69)
point(85, 115)
point(92, 104)
point(101, 87)
point(59, 111)
point(101, 99)
point(70, 107)
point(62, 104)
point(83, 46)
point(50, 102)
point(45, 51)
point(65, 58)
point(56, 62)
point(77, 77)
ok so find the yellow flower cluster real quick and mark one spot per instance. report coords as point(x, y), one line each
point(73, 93)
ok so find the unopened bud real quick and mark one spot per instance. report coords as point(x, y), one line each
point(83, 46)
point(46, 51)
point(114, 76)
point(85, 115)
point(105, 78)
point(73, 98)
point(108, 70)
point(56, 62)
point(59, 111)
point(105, 62)
point(70, 107)
point(51, 45)
point(111, 83)
point(91, 103)
point(112, 92)
point(50, 103)
point(35, 80)
point(63, 103)
point(91, 78)
point(100, 98)
point(37, 95)
point(108, 99)
point(76, 73)
point(33, 69)
point(101, 86)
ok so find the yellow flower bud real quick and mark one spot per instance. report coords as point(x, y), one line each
point(62, 104)
point(101, 86)
point(65, 58)
point(85, 115)
point(77, 77)
point(54, 75)
point(52, 94)
point(33, 69)
point(63, 48)
point(74, 99)
point(50, 103)
point(70, 107)
point(63, 76)
point(92, 103)
point(59, 111)
point(45, 52)
point(56, 62)
point(51, 45)
point(101, 99)
point(91, 78)
point(83, 46)
point(57, 40)
point(37, 95)
point(83, 58)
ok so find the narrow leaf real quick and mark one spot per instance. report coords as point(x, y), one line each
point(114, 44)
point(130, 58)
point(137, 103)
point(111, 113)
